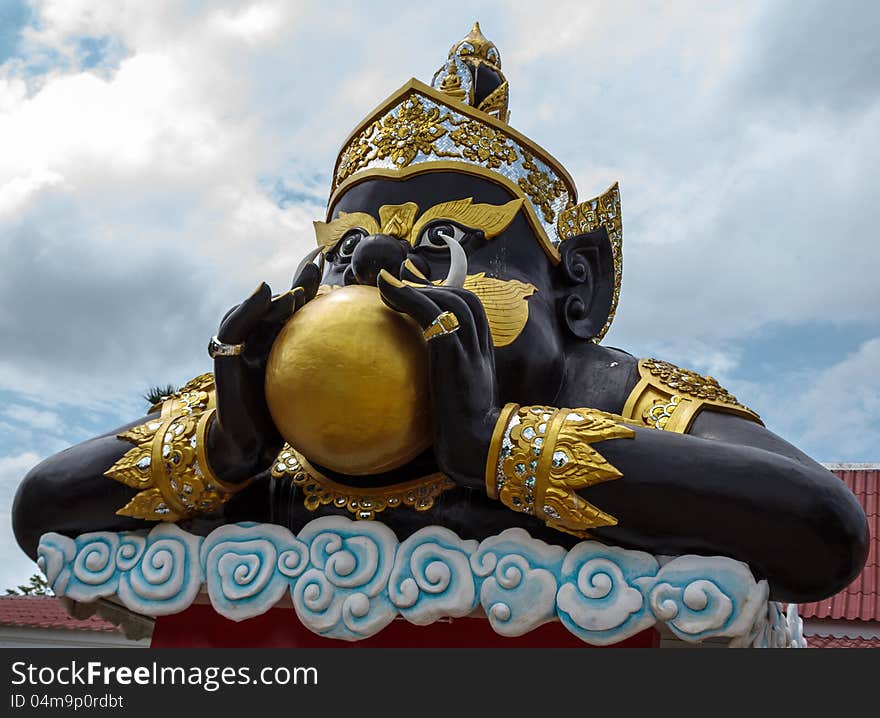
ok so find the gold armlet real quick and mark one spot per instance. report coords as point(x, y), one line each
point(540, 456)
point(169, 468)
point(669, 398)
point(196, 395)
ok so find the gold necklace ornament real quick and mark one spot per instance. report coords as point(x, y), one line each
point(364, 503)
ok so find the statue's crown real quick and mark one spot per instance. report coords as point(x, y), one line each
point(460, 123)
point(472, 74)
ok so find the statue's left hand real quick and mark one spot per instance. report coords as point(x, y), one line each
point(464, 393)
point(243, 440)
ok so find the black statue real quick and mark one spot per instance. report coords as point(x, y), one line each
point(674, 464)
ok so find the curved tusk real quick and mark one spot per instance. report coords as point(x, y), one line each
point(457, 263)
point(308, 259)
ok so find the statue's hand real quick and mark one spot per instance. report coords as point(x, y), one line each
point(462, 374)
point(243, 440)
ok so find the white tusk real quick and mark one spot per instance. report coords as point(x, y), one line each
point(308, 259)
point(457, 263)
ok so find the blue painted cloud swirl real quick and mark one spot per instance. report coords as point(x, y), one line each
point(344, 592)
point(431, 577)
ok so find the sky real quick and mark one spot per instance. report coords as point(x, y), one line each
point(159, 160)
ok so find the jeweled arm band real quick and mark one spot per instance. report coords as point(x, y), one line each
point(169, 465)
point(540, 456)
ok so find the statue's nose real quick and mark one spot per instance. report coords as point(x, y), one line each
point(375, 253)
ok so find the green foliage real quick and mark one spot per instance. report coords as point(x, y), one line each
point(155, 394)
point(36, 586)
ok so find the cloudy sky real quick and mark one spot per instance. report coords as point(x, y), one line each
point(159, 159)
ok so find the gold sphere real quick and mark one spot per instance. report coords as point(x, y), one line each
point(347, 383)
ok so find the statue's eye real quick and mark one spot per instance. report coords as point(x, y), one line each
point(345, 247)
point(433, 234)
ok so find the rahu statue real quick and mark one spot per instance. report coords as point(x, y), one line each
point(439, 363)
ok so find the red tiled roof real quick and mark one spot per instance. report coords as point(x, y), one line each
point(841, 642)
point(860, 601)
point(45, 612)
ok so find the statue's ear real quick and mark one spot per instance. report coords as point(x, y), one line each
point(587, 282)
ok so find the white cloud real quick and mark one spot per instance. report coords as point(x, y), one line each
point(252, 24)
point(12, 469)
point(838, 408)
point(33, 418)
point(15, 567)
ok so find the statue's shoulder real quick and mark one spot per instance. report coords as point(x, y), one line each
point(668, 397)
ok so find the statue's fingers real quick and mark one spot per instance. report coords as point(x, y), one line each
point(481, 321)
point(409, 272)
point(226, 316)
point(242, 320)
point(449, 301)
point(406, 299)
point(309, 278)
point(283, 306)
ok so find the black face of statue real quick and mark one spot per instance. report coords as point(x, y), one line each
point(530, 364)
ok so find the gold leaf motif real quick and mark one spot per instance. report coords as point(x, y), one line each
point(483, 144)
point(585, 466)
point(126, 470)
point(496, 102)
point(143, 433)
point(505, 303)
point(490, 219)
point(150, 506)
point(203, 382)
point(571, 511)
point(412, 130)
point(356, 155)
point(540, 187)
point(397, 219)
point(329, 233)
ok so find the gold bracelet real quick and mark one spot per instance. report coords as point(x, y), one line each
point(169, 467)
point(540, 456)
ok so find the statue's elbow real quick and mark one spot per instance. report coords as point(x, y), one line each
point(850, 540)
point(835, 545)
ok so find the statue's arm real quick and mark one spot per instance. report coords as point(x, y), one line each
point(729, 487)
point(183, 460)
point(70, 494)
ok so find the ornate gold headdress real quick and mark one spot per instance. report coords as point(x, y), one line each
point(460, 123)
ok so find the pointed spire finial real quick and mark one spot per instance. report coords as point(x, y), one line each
point(477, 47)
point(472, 74)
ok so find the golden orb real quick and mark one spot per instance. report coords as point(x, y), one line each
point(347, 383)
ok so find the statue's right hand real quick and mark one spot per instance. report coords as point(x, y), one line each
point(244, 440)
